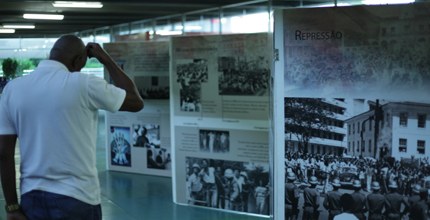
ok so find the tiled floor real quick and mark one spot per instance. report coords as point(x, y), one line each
point(128, 196)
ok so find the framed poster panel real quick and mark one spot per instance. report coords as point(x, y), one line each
point(220, 111)
point(355, 103)
point(146, 133)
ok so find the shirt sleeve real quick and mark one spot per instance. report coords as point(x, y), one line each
point(6, 125)
point(103, 95)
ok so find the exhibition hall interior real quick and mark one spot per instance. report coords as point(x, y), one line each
point(245, 99)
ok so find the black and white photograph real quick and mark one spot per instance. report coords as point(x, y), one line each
point(153, 87)
point(214, 141)
point(158, 158)
point(190, 76)
point(374, 149)
point(146, 135)
point(243, 76)
point(382, 52)
point(228, 185)
point(120, 146)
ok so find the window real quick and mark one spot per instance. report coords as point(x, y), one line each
point(370, 146)
point(422, 120)
point(353, 128)
point(363, 146)
point(358, 146)
point(358, 127)
point(353, 147)
point(370, 125)
point(421, 147)
point(403, 119)
point(363, 127)
point(403, 145)
point(349, 146)
point(349, 129)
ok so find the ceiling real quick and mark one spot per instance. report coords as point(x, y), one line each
point(112, 13)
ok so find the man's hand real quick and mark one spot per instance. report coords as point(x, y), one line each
point(96, 51)
point(16, 216)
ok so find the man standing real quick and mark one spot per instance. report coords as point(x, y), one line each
point(359, 201)
point(347, 205)
point(54, 111)
point(375, 202)
point(415, 197)
point(311, 198)
point(332, 200)
point(419, 209)
point(291, 197)
point(393, 203)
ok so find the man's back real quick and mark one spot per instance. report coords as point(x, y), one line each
point(55, 117)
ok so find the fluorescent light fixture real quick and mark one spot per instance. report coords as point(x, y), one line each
point(7, 31)
point(387, 2)
point(44, 16)
point(71, 4)
point(19, 26)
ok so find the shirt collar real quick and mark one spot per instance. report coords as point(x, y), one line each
point(52, 64)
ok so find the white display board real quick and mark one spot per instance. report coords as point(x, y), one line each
point(140, 142)
point(220, 121)
point(355, 91)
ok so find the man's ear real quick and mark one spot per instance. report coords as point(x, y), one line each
point(78, 63)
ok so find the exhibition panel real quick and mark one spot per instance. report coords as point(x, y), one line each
point(220, 122)
point(355, 107)
point(140, 142)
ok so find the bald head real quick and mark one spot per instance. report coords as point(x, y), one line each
point(70, 51)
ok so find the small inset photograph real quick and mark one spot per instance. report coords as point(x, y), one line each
point(120, 146)
point(146, 135)
point(243, 76)
point(190, 75)
point(153, 87)
point(214, 141)
point(158, 158)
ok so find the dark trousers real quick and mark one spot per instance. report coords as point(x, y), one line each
point(41, 205)
point(333, 213)
point(291, 212)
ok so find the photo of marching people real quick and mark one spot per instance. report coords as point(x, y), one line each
point(214, 141)
point(243, 76)
point(190, 76)
point(153, 87)
point(228, 185)
point(379, 159)
point(120, 146)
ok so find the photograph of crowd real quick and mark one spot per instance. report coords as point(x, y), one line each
point(214, 141)
point(390, 55)
point(243, 76)
point(380, 188)
point(228, 185)
point(153, 87)
point(190, 76)
point(374, 151)
point(158, 158)
point(120, 146)
point(146, 135)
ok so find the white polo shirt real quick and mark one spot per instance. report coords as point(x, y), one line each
point(54, 114)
